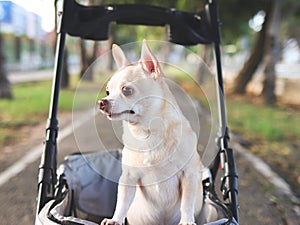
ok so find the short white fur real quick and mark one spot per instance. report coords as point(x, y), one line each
point(161, 169)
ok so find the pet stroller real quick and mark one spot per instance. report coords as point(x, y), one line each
point(62, 191)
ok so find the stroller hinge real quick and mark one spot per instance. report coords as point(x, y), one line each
point(52, 130)
point(229, 180)
point(47, 169)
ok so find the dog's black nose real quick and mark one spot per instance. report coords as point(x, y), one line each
point(104, 105)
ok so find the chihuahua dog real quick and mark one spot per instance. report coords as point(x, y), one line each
point(161, 169)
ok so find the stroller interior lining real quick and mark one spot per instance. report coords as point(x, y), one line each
point(89, 187)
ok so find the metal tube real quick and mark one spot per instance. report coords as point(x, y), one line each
point(47, 169)
point(232, 185)
point(220, 96)
point(226, 154)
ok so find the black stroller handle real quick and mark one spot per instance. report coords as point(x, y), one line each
point(93, 22)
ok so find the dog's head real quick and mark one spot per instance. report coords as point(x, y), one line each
point(135, 90)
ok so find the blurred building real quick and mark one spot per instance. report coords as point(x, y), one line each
point(26, 44)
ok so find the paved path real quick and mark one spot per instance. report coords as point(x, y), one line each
point(260, 202)
point(29, 76)
point(35, 75)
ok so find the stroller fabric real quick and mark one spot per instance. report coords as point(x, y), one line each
point(91, 188)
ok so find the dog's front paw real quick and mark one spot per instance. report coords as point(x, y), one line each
point(187, 223)
point(110, 222)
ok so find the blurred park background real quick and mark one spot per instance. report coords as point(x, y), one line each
point(261, 62)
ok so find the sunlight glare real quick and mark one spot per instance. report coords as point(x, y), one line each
point(43, 8)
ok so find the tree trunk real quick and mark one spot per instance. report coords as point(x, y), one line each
point(202, 71)
point(18, 44)
point(5, 89)
point(109, 42)
point(83, 56)
point(255, 58)
point(88, 59)
point(272, 55)
point(65, 79)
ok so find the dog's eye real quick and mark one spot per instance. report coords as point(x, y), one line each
point(107, 92)
point(127, 91)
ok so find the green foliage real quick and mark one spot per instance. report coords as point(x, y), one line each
point(138, 33)
point(235, 16)
point(290, 19)
point(274, 133)
point(129, 33)
point(29, 107)
point(260, 121)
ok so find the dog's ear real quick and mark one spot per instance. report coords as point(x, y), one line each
point(149, 62)
point(119, 56)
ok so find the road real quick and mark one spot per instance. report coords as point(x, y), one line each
point(15, 77)
point(260, 202)
point(28, 76)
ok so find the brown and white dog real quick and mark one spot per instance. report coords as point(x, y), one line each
point(161, 169)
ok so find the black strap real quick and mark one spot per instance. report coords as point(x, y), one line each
point(55, 220)
point(213, 197)
point(62, 222)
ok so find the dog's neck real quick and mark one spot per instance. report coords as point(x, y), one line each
point(156, 126)
point(154, 140)
point(138, 131)
point(162, 122)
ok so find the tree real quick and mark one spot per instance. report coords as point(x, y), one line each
point(86, 58)
point(291, 14)
point(267, 49)
point(272, 53)
point(205, 54)
point(255, 58)
point(5, 88)
point(65, 79)
point(235, 16)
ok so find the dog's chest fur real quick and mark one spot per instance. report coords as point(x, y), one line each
point(149, 147)
point(161, 179)
point(157, 202)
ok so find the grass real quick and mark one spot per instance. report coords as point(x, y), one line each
point(29, 107)
point(273, 132)
point(259, 122)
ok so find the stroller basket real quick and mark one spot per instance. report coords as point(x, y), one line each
point(76, 187)
point(82, 190)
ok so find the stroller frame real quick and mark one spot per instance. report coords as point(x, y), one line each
point(184, 28)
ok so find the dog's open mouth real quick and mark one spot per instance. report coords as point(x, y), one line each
point(113, 115)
